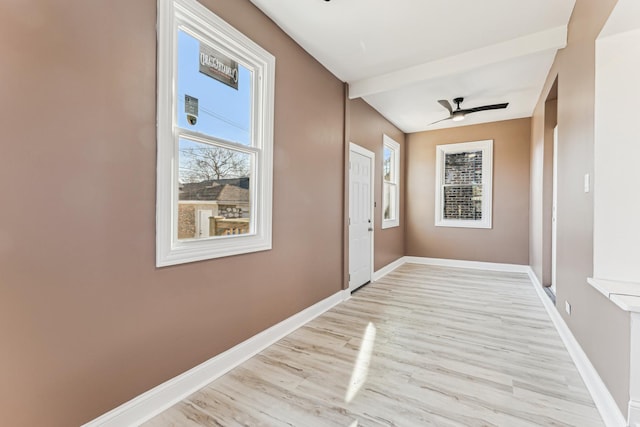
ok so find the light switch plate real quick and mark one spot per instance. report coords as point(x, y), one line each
point(587, 183)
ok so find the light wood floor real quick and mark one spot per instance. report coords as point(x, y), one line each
point(447, 346)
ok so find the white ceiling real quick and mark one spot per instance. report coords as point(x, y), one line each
point(401, 56)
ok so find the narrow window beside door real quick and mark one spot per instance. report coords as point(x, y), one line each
point(390, 182)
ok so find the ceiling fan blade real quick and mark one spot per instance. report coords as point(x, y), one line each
point(446, 105)
point(441, 120)
point(486, 107)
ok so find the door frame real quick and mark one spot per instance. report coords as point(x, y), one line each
point(355, 148)
point(554, 213)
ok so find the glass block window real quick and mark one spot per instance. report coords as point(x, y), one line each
point(463, 176)
point(463, 185)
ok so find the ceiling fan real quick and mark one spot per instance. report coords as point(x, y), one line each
point(459, 113)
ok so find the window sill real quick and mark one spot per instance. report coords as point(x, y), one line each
point(463, 224)
point(625, 295)
point(390, 224)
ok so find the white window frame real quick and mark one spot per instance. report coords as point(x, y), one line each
point(486, 147)
point(388, 142)
point(194, 18)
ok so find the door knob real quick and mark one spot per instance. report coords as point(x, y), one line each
point(370, 229)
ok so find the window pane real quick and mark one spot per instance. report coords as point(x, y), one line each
point(213, 191)
point(387, 160)
point(463, 168)
point(208, 105)
point(389, 201)
point(463, 202)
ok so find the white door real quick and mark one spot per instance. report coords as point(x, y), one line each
point(361, 163)
point(554, 210)
point(203, 223)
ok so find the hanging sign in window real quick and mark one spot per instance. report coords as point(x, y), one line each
point(218, 66)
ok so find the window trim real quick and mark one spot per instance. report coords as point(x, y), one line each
point(486, 146)
point(189, 14)
point(388, 142)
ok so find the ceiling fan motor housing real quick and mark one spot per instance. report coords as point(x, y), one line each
point(460, 113)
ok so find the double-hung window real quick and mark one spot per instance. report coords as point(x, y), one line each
point(390, 182)
point(463, 184)
point(215, 137)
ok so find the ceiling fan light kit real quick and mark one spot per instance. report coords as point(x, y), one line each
point(457, 116)
point(459, 113)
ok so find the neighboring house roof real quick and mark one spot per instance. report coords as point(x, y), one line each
point(231, 190)
point(232, 193)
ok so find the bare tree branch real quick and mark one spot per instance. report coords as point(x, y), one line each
point(210, 163)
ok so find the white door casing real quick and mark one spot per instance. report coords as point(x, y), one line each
point(361, 163)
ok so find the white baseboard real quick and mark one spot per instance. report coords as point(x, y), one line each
point(634, 414)
point(151, 403)
point(492, 266)
point(377, 275)
point(605, 403)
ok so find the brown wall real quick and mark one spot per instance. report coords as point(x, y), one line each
point(366, 127)
point(508, 240)
point(87, 321)
point(600, 327)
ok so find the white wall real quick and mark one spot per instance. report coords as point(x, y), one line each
point(617, 157)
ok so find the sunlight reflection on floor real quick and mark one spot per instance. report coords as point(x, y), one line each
point(361, 368)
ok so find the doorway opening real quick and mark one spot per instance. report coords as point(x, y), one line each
point(552, 145)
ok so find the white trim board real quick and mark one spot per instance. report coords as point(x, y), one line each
point(149, 404)
point(605, 403)
point(377, 275)
point(478, 265)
